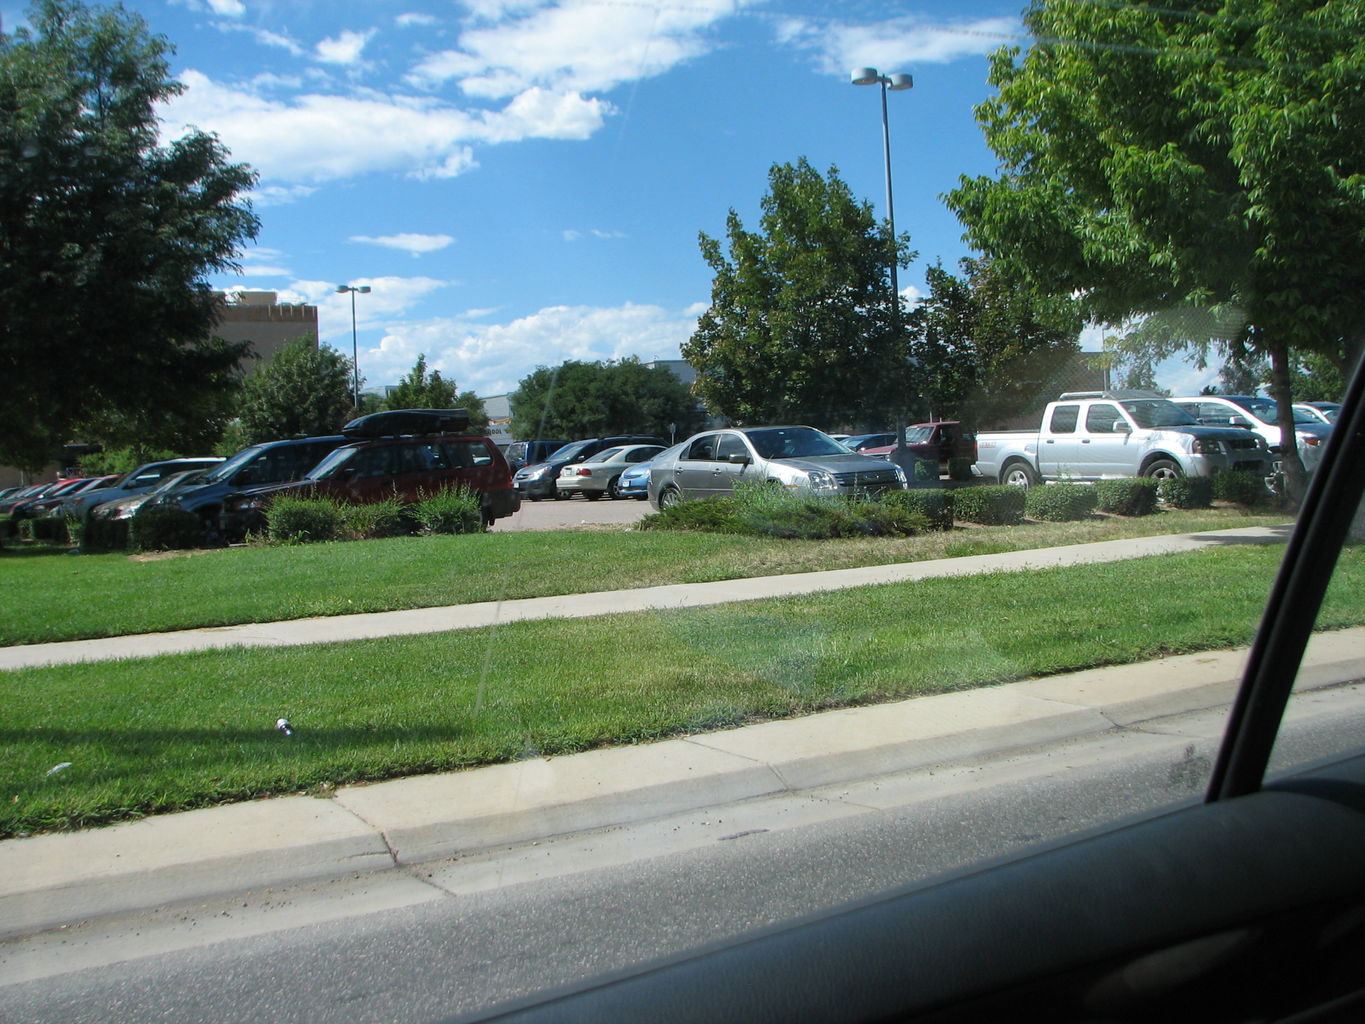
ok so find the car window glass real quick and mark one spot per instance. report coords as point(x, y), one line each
point(730, 444)
point(1064, 419)
point(1100, 417)
point(703, 449)
point(374, 462)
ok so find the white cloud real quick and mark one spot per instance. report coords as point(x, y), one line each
point(317, 137)
point(898, 43)
point(413, 19)
point(280, 195)
point(263, 36)
point(221, 8)
point(574, 46)
point(413, 243)
point(570, 235)
point(264, 270)
point(492, 359)
point(345, 48)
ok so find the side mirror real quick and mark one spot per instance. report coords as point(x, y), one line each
point(740, 459)
point(1122, 427)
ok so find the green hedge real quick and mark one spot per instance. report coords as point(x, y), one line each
point(1187, 492)
point(1240, 488)
point(991, 505)
point(163, 528)
point(1128, 497)
point(1059, 503)
point(935, 506)
point(790, 515)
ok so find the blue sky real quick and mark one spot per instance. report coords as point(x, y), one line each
point(522, 182)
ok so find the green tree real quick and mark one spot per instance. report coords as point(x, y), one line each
point(305, 390)
point(985, 348)
point(802, 325)
point(423, 390)
point(1198, 164)
point(106, 238)
point(577, 399)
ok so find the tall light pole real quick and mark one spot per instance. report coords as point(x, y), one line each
point(893, 83)
point(363, 289)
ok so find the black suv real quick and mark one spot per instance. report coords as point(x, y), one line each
point(537, 480)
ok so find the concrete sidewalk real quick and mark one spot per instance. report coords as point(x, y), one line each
point(51, 880)
point(371, 625)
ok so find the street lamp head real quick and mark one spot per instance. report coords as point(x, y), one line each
point(866, 76)
point(898, 82)
point(364, 289)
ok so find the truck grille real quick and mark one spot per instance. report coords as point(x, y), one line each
point(869, 481)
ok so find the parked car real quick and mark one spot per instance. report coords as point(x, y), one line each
point(937, 442)
point(404, 466)
point(634, 480)
point(1098, 435)
point(1259, 415)
point(858, 442)
point(709, 464)
point(525, 453)
point(21, 494)
point(273, 462)
point(126, 508)
point(144, 478)
point(1322, 412)
point(40, 505)
point(598, 474)
point(541, 479)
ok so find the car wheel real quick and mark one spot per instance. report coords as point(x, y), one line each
point(1019, 474)
point(1163, 469)
point(612, 492)
point(669, 497)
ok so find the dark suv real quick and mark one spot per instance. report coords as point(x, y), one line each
point(537, 480)
point(524, 453)
point(407, 466)
point(274, 462)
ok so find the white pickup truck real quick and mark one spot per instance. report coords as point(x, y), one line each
point(1097, 435)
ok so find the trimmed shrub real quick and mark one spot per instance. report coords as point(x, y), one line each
point(1187, 492)
point(385, 518)
point(709, 515)
point(163, 528)
point(449, 510)
point(1131, 497)
point(935, 506)
point(1239, 488)
point(762, 510)
point(1059, 503)
point(298, 520)
point(959, 468)
point(103, 534)
point(990, 505)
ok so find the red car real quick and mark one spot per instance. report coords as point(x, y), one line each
point(938, 441)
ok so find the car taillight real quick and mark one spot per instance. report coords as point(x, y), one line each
point(1311, 439)
point(585, 472)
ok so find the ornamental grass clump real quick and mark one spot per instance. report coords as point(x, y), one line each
point(387, 518)
point(291, 520)
point(449, 510)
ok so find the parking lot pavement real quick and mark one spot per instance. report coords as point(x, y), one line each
point(571, 512)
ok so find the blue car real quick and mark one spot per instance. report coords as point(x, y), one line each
point(634, 482)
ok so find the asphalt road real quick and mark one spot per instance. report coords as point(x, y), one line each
point(459, 935)
point(572, 512)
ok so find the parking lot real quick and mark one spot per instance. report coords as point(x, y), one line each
point(572, 512)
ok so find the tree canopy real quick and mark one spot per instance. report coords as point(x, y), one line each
point(1197, 160)
point(577, 400)
point(802, 325)
point(421, 389)
point(106, 237)
point(984, 347)
point(304, 391)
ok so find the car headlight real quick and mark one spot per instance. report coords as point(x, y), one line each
point(1205, 447)
point(821, 481)
point(901, 477)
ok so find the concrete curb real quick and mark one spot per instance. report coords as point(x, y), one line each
point(51, 880)
point(372, 625)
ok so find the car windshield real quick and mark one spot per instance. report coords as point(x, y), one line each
point(332, 462)
point(1262, 409)
point(793, 443)
point(226, 470)
point(570, 452)
point(606, 455)
point(1152, 413)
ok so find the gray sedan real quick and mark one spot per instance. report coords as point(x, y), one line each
point(796, 458)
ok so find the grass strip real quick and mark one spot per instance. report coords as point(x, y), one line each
point(48, 595)
point(187, 731)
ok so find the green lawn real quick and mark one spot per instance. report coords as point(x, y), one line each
point(194, 730)
point(49, 595)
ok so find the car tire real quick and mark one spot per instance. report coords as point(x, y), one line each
point(1018, 474)
point(669, 497)
point(1163, 469)
point(612, 492)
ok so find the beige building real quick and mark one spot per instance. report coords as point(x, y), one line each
point(268, 324)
